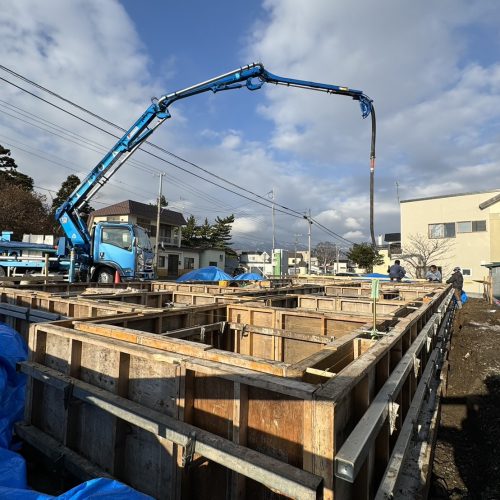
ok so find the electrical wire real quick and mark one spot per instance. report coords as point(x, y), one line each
point(282, 209)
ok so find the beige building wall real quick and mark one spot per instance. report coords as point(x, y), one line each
point(210, 257)
point(469, 250)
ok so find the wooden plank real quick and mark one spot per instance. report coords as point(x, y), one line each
point(284, 386)
point(240, 428)
point(270, 472)
point(77, 465)
point(182, 347)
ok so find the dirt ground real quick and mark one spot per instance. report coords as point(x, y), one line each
point(467, 458)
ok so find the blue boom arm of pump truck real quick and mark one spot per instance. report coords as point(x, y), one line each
point(125, 248)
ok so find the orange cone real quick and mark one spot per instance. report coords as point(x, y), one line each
point(117, 277)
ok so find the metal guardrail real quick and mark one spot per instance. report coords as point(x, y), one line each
point(28, 314)
point(353, 453)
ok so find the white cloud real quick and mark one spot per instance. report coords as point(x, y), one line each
point(246, 225)
point(435, 97)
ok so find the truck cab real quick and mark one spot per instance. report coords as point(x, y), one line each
point(125, 248)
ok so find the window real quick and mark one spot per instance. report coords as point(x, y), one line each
point(444, 230)
point(467, 272)
point(474, 226)
point(221, 257)
point(111, 218)
point(464, 227)
point(118, 237)
point(478, 225)
point(188, 262)
point(212, 264)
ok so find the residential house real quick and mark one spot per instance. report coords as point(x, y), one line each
point(467, 225)
point(256, 262)
point(389, 247)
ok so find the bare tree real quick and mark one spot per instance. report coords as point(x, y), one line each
point(325, 253)
point(421, 252)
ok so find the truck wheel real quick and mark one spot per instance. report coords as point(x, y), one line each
point(2, 272)
point(105, 275)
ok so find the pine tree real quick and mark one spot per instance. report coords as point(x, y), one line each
point(9, 173)
point(221, 232)
point(189, 232)
point(67, 187)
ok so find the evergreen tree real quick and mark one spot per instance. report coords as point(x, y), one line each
point(67, 187)
point(9, 173)
point(221, 232)
point(164, 202)
point(189, 232)
point(204, 234)
point(365, 256)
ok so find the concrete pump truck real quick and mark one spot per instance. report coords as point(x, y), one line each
point(111, 247)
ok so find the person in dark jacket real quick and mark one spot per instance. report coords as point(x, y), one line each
point(457, 282)
point(396, 271)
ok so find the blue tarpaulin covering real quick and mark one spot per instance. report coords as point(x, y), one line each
point(248, 277)
point(210, 273)
point(13, 349)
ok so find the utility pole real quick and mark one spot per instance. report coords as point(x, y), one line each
point(158, 213)
point(338, 257)
point(274, 240)
point(308, 218)
point(295, 255)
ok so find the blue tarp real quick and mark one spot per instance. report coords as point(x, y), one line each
point(13, 348)
point(95, 488)
point(248, 277)
point(210, 273)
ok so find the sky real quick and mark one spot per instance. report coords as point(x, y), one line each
point(431, 69)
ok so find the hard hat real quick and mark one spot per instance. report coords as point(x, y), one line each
point(456, 269)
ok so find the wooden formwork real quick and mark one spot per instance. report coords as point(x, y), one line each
point(243, 291)
point(388, 290)
point(19, 308)
point(331, 324)
point(138, 396)
point(70, 288)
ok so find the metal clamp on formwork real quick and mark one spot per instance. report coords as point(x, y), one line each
point(202, 334)
point(393, 415)
point(416, 364)
point(188, 453)
point(244, 333)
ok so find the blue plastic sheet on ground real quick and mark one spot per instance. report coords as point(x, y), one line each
point(13, 349)
point(248, 277)
point(210, 273)
point(96, 488)
point(12, 470)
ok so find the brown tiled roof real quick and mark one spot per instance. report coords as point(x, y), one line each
point(130, 207)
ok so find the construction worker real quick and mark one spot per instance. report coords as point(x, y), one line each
point(457, 282)
point(433, 274)
point(396, 271)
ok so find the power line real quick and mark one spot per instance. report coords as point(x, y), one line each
point(95, 115)
point(283, 209)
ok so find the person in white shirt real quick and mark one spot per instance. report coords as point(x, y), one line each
point(433, 274)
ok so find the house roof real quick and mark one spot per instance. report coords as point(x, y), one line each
point(131, 207)
point(451, 195)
